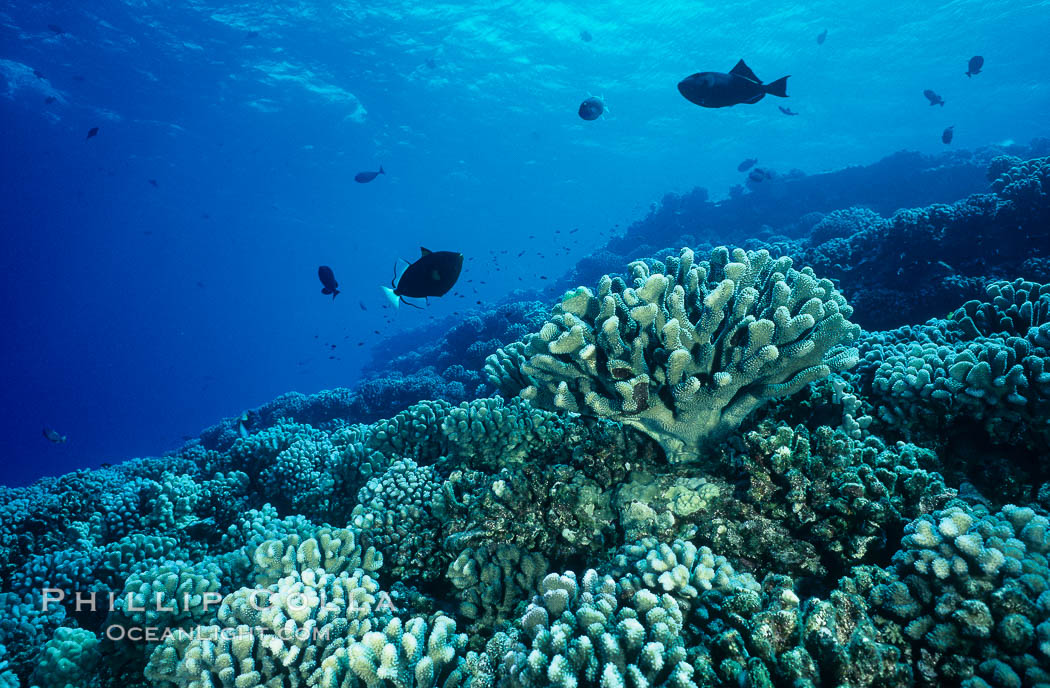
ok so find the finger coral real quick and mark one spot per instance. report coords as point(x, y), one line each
point(688, 351)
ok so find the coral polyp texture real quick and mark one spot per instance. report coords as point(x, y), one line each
point(688, 350)
point(698, 474)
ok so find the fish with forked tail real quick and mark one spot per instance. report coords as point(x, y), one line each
point(740, 86)
point(365, 177)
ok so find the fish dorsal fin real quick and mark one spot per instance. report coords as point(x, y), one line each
point(742, 70)
point(424, 251)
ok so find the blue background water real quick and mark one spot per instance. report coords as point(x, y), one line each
point(134, 314)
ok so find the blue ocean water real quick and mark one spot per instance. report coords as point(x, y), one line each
point(137, 314)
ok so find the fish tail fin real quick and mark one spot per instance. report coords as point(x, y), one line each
point(941, 103)
point(381, 170)
point(778, 88)
point(335, 293)
point(394, 300)
point(968, 75)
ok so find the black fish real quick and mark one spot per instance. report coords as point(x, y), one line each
point(38, 74)
point(759, 174)
point(742, 167)
point(152, 181)
point(947, 135)
point(365, 177)
point(786, 110)
point(55, 28)
point(586, 36)
point(362, 305)
point(53, 436)
point(822, 36)
point(49, 100)
point(974, 67)
point(739, 86)
point(591, 109)
point(432, 275)
point(93, 131)
point(328, 280)
point(933, 98)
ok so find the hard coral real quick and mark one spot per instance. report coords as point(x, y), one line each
point(687, 352)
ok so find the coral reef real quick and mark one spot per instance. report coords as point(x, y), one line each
point(967, 595)
point(689, 482)
point(687, 352)
point(980, 380)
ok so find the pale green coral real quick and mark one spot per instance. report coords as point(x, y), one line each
point(679, 569)
point(170, 595)
point(272, 636)
point(332, 550)
point(414, 654)
point(590, 633)
point(663, 504)
point(688, 351)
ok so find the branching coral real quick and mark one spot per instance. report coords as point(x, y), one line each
point(492, 580)
point(689, 351)
point(819, 502)
point(272, 636)
point(930, 383)
point(969, 594)
point(586, 633)
point(332, 550)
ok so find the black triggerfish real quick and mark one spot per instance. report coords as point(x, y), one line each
point(432, 275)
point(948, 134)
point(53, 436)
point(365, 177)
point(973, 68)
point(329, 285)
point(739, 86)
point(592, 108)
point(933, 97)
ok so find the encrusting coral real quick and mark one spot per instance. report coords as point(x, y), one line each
point(688, 351)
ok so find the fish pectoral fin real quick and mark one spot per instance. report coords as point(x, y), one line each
point(424, 251)
point(394, 299)
point(752, 101)
point(742, 70)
